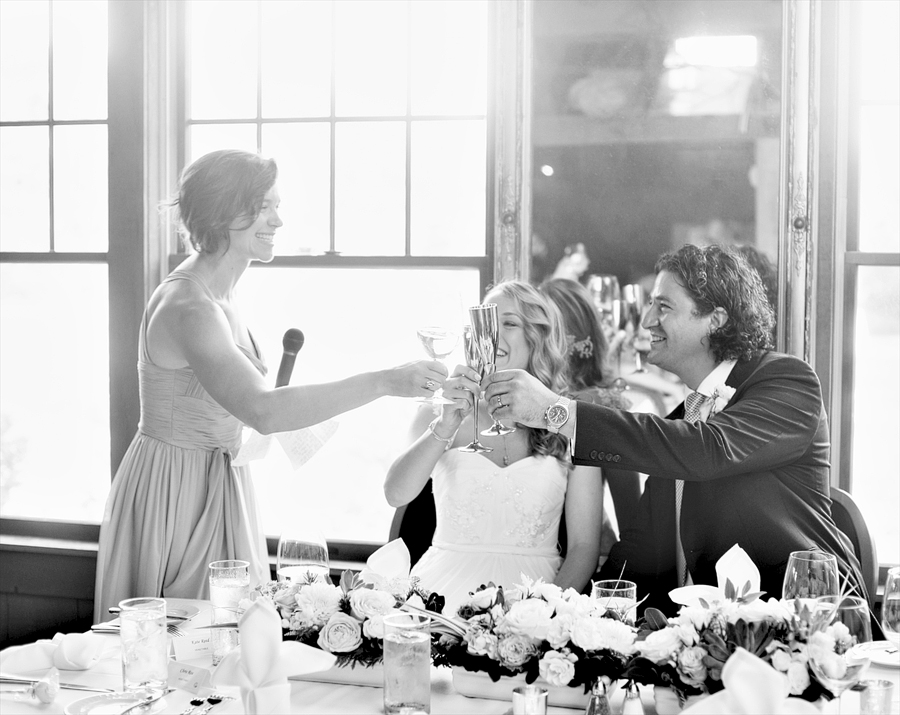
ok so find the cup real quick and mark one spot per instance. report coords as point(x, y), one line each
point(875, 699)
point(229, 583)
point(529, 700)
point(407, 663)
point(617, 595)
point(145, 645)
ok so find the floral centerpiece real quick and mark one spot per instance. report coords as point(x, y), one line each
point(566, 638)
point(347, 619)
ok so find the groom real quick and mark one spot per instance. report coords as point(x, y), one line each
point(743, 461)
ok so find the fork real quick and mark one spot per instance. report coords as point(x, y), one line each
point(174, 630)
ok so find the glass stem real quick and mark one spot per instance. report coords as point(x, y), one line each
point(475, 416)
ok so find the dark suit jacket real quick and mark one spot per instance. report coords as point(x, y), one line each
point(756, 474)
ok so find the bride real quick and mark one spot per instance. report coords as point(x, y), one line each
point(499, 512)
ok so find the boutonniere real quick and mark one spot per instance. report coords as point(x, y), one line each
point(721, 396)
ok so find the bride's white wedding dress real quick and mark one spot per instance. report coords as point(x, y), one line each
point(493, 524)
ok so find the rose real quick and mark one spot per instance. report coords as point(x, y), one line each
point(557, 668)
point(373, 626)
point(690, 665)
point(660, 646)
point(530, 617)
point(781, 660)
point(515, 650)
point(368, 602)
point(560, 631)
point(317, 602)
point(481, 642)
point(594, 633)
point(342, 634)
point(798, 677)
point(721, 397)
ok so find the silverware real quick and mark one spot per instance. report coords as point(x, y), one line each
point(232, 626)
point(212, 701)
point(115, 610)
point(14, 680)
point(172, 629)
point(138, 707)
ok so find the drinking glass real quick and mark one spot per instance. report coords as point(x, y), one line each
point(890, 606)
point(604, 289)
point(633, 310)
point(475, 360)
point(810, 575)
point(229, 584)
point(407, 663)
point(438, 343)
point(529, 700)
point(840, 668)
point(486, 331)
point(302, 555)
point(617, 595)
point(145, 645)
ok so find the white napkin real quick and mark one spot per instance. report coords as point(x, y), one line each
point(72, 651)
point(735, 566)
point(261, 665)
point(751, 686)
point(299, 445)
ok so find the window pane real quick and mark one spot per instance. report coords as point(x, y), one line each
point(223, 43)
point(876, 396)
point(25, 188)
point(24, 60)
point(296, 56)
point(370, 188)
point(370, 57)
point(449, 57)
point(79, 59)
point(204, 138)
point(880, 66)
point(303, 153)
point(368, 325)
point(448, 188)
point(879, 179)
point(81, 188)
point(54, 415)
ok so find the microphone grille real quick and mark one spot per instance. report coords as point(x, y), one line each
point(292, 341)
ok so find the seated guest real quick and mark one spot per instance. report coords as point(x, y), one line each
point(499, 513)
point(589, 381)
point(743, 461)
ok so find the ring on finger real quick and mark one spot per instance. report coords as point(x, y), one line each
point(431, 384)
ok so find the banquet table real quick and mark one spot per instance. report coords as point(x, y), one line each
point(319, 698)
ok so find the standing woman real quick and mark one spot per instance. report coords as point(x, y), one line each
point(177, 501)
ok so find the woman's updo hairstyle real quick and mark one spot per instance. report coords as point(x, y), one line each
point(217, 190)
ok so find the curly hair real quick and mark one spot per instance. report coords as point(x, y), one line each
point(581, 320)
point(720, 277)
point(217, 190)
point(542, 324)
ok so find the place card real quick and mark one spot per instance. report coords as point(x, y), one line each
point(188, 677)
point(193, 644)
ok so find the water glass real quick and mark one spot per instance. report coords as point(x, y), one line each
point(229, 584)
point(617, 595)
point(890, 606)
point(303, 556)
point(145, 645)
point(810, 575)
point(407, 663)
point(529, 700)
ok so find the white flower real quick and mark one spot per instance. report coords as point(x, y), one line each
point(798, 677)
point(690, 666)
point(781, 660)
point(481, 642)
point(603, 634)
point(721, 396)
point(373, 626)
point(480, 600)
point(660, 646)
point(550, 592)
point(530, 617)
point(515, 650)
point(557, 668)
point(368, 602)
point(316, 603)
point(341, 634)
point(560, 631)
point(696, 617)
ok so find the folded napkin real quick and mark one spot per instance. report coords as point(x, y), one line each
point(751, 686)
point(387, 569)
point(735, 566)
point(260, 667)
point(72, 651)
point(299, 445)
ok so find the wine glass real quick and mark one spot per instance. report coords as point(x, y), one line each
point(438, 343)
point(302, 555)
point(475, 360)
point(810, 575)
point(632, 312)
point(486, 329)
point(605, 291)
point(834, 660)
point(890, 606)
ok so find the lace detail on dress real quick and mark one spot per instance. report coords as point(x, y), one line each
point(530, 528)
point(466, 511)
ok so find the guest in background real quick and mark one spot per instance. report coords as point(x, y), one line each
point(177, 502)
point(590, 381)
point(499, 513)
point(750, 449)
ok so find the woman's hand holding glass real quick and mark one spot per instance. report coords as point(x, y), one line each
point(459, 392)
point(415, 379)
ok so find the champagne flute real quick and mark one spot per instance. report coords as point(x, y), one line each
point(605, 291)
point(834, 660)
point(486, 328)
point(302, 555)
point(438, 343)
point(475, 360)
point(633, 309)
point(810, 575)
point(890, 606)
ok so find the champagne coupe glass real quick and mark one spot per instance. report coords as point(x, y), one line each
point(810, 575)
point(486, 329)
point(633, 308)
point(475, 360)
point(302, 555)
point(605, 291)
point(438, 343)
point(842, 666)
point(890, 607)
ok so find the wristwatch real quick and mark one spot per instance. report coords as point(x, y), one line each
point(557, 414)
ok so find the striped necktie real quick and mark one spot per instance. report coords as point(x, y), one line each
point(692, 405)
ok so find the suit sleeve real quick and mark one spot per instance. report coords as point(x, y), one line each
point(770, 422)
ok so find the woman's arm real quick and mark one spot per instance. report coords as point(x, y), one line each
point(584, 520)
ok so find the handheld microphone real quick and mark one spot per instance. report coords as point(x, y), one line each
point(292, 342)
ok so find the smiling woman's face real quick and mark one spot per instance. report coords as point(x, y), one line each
point(513, 351)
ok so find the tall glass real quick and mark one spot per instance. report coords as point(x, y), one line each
point(145, 645)
point(407, 663)
point(486, 330)
point(302, 555)
point(890, 606)
point(475, 360)
point(438, 343)
point(810, 575)
point(617, 595)
point(633, 311)
point(604, 289)
point(229, 584)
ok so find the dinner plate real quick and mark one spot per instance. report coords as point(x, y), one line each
point(882, 653)
point(111, 704)
point(184, 607)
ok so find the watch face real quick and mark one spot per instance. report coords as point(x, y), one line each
point(557, 415)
